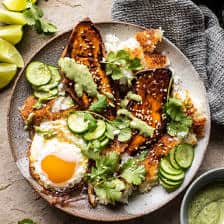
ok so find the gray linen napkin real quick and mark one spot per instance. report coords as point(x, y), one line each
point(196, 32)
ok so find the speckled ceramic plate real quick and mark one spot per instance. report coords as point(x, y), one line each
point(143, 203)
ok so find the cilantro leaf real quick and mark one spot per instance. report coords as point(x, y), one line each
point(174, 109)
point(90, 120)
point(132, 172)
point(110, 131)
point(43, 26)
point(180, 123)
point(33, 15)
point(178, 129)
point(109, 192)
point(120, 65)
point(135, 64)
point(121, 123)
point(124, 135)
point(142, 155)
point(100, 104)
point(26, 221)
point(105, 166)
point(119, 127)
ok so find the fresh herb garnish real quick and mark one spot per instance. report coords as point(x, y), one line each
point(90, 120)
point(105, 166)
point(120, 65)
point(132, 172)
point(179, 124)
point(34, 17)
point(124, 135)
point(100, 104)
point(26, 221)
point(119, 127)
point(109, 192)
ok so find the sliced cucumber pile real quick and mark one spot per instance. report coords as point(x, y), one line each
point(92, 130)
point(44, 80)
point(173, 167)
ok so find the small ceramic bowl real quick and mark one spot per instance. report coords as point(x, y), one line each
point(211, 176)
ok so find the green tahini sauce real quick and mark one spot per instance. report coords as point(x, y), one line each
point(80, 75)
point(138, 124)
point(207, 206)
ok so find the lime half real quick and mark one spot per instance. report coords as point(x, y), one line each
point(7, 73)
point(11, 33)
point(9, 54)
point(12, 17)
point(16, 5)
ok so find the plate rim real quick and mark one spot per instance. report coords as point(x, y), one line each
point(128, 216)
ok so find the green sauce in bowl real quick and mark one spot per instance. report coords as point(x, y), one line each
point(207, 206)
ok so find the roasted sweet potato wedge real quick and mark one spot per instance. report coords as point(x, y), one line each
point(152, 86)
point(87, 48)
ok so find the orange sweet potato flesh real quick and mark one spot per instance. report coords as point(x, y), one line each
point(87, 48)
point(152, 86)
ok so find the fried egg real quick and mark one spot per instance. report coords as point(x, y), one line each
point(56, 161)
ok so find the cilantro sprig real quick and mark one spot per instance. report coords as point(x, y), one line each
point(179, 124)
point(120, 65)
point(26, 221)
point(132, 171)
point(105, 166)
point(119, 127)
point(100, 104)
point(109, 192)
point(34, 17)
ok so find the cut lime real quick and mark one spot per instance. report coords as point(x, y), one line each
point(11, 33)
point(9, 54)
point(7, 72)
point(16, 5)
point(14, 18)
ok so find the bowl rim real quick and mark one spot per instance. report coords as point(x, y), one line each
point(128, 217)
point(193, 186)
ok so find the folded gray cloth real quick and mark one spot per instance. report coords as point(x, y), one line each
point(196, 32)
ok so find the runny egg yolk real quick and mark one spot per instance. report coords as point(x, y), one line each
point(57, 169)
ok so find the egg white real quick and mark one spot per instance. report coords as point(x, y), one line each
point(66, 146)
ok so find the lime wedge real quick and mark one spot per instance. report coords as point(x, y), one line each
point(7, 72)
point(11, 33)
point(12, 17)
point(9, 54)
point(16, 5)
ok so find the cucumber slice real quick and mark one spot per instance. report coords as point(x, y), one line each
point(172, 159)
point(104, 142)
point(55, 79)
point(167, 167)
point(184, 155)
point(168, 176)
point(46, 95)
point(167, 186)
point(38, 74)
point(170, 182)
point(97, 133)
point(77, 123)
